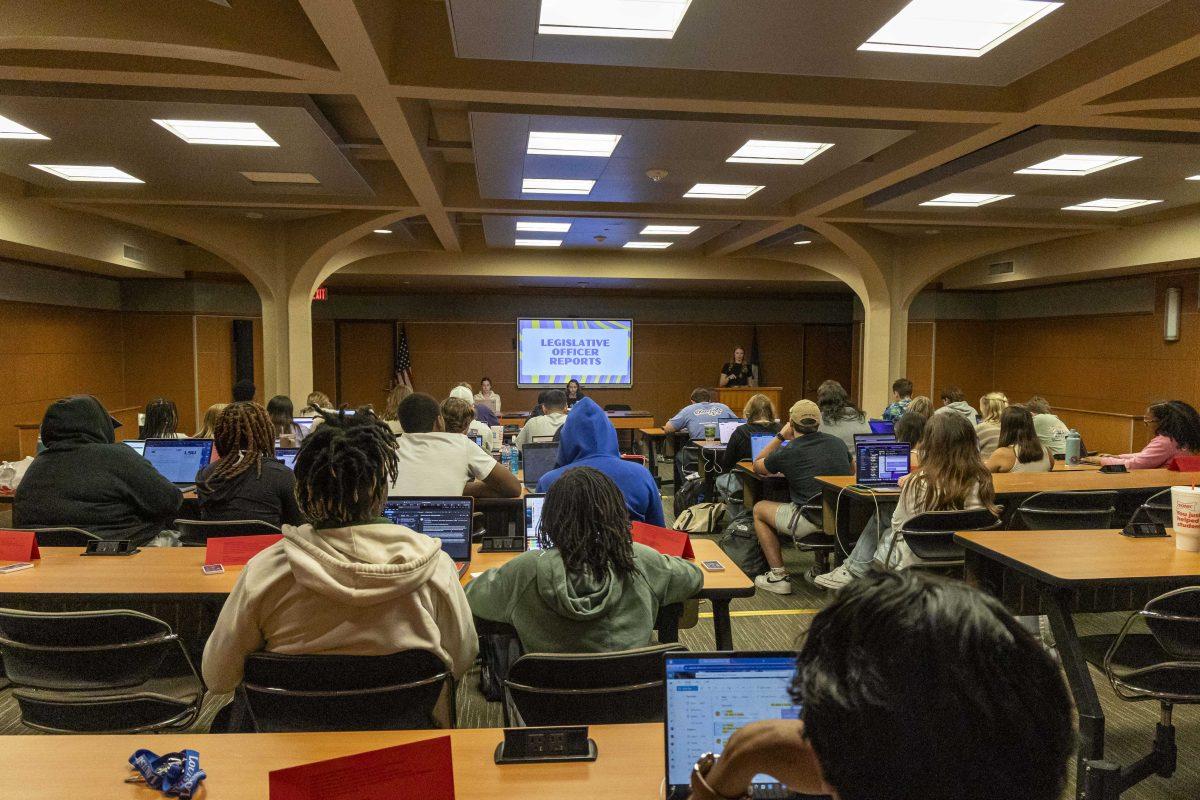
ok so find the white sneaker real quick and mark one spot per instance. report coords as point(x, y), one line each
point(834, 579)
point(769, 581)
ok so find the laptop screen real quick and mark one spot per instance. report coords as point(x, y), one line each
point(445, 518)
point(538, 459)
point(287, 455)
point(711, 695)
point(882, 426)
point(725, 429)
point(873, 438)
point(533, 518)
point(179, 460)
point(882, 463)
point(138, 445)
point(758, 441)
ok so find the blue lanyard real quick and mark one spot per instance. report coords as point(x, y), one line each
point(174, 774)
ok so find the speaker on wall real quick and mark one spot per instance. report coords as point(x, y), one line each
point(243, 350)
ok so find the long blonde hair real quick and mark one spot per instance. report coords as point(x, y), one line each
point(391, 409)
point(992, 405)
point(920, 405)
point(951, 467)
point(210, 421)
point(759, 409)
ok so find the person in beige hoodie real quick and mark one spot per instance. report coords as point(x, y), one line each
point(350, 583)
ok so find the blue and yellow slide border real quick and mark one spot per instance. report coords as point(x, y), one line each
point(527, 381)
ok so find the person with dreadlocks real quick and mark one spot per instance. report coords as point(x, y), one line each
point(590, 589)
point(247, 482)
point(349, 583)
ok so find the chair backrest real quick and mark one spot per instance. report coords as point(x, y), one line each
point(587, 688)
point(617, 407)
point(1068, 510)
point(63, 537)
point(1157, 508)
point(941, 522)
point(199, 531)
point(1174, 620)
point(345, 693)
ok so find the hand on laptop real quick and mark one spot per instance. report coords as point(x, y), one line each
point(774, 747)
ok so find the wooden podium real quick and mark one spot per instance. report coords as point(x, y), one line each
point(736, 397)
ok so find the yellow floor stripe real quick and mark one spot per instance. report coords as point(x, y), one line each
point(768, 612)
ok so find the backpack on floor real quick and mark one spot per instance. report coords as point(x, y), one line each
point(740, 543)
point(497, 652)
point(701, 518)
point(689, 493)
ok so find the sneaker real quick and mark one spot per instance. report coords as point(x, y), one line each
point(769, 581)
point(811, 574)
point(835, 579)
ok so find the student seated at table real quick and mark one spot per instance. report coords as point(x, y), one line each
point(901, 396)
point(760, 418)
point(439, 464)
point(1175, 431)
point(85, 479)
point(391, 408)
point(588, 439)
point(350, 583)
point(247, 481)
point(161, 420)
point(912, 688)
point(955, 402)
point(1020, 449)
point(459, 415)
point(910, 427)
point(810, 452)
point(1050, 429)
point(701, 413)
point(210, 421)
point(589, 589)
point(839, 417)
point(991, 406)
point(553, 403)
point(283, 419)
point(951, 477)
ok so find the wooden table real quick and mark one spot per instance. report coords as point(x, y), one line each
point(629, 764)
point(621, 420)
point(1060, 573)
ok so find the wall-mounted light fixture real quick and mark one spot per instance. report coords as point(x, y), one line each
point(1171, 318)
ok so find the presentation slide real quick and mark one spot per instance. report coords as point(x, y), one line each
point(595, 352)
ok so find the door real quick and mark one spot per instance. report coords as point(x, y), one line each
point(828, 353)
point(366, 362)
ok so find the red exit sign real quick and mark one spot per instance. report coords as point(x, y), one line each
point(322, 293)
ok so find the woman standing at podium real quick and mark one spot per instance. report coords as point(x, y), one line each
point(738, 372)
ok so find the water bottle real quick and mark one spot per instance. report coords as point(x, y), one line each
point(1073, 447)
point(514, 459)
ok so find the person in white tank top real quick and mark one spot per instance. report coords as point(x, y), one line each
point(1020, 449)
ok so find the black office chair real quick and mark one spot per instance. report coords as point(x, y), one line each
point(586, 688)
point(1157, 508)
point(98, 671)
point(818, 542)
point(1162, 665)
point(930, 536)
point(1053, 511)
point(62, 537)
point(400, 691)
point(197, 532)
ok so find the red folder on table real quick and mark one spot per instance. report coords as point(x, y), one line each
point(18, 546)
point(664, 540)
point(234, 550)
point(1185, 464)
point(421, 769)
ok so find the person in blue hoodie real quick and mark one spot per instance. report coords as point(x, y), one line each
point(588, 439)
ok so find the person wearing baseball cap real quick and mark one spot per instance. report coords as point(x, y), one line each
point(800, 452)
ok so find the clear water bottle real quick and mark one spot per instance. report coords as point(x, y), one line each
point(514, 459)
point(1074, 447)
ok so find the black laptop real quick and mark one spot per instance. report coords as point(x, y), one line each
point(445, 518)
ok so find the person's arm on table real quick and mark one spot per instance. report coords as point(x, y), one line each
point(1157, 452)
point(724, 381)
point(500, 482)
point(771, 747)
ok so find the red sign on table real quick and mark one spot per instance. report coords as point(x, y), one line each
point(421, 769)
point(664, 540)
point(18, 546)
point(234, 550)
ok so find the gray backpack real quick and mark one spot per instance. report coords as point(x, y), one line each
point(740, 543)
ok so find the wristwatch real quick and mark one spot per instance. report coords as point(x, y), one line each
point(779, 436)
point(699, 781)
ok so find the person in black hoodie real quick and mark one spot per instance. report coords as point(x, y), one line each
point(84, 479)
point(247, 482)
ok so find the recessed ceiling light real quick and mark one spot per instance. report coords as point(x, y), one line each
point(965, 199)
point(280, 177)
point(1194, 178)
point(544, 227)
point(593, 145)
point(539, 242)
point(763, 151)
point(198, 131)
point(555, 186)
point(956, 27)
point(722, 191)
point(803, 241)
point(15, 130)
point(669, 230)
point(381, 230)
point(1068, 164)
point(71, 172)
point(1110, 204)
point(647, 245)
point(632, 19)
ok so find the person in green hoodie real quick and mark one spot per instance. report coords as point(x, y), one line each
point(590, 588)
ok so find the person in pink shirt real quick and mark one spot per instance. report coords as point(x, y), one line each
point(1174, 430)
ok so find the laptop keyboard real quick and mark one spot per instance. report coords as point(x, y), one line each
point(771, 791)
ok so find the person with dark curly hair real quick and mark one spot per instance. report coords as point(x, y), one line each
point(1174, 428)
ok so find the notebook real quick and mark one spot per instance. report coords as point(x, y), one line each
point(759, 440)
point(881, 466)
point(711, 695)
point(725, 429)
point(533, 518)
point(179, 460)
point(537, 459)
point(445, 518)
point(287, 455)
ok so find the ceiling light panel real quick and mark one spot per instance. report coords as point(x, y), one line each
point(1110, 204)
point(10, 129)
point(198, 131)
point(543, 227)
point(627, 19)
point(647, 245)
point(1071, 164)
point(556, 186)
point(280, 177)
point(956, 27)
point(965, 200)
point(669, 230)
point(763, 151)
point(1194, 178)
point(84, 174)
point(593, 145)
point(384, 231)
point(722, 191)
point(803, 241)
point(539, 242)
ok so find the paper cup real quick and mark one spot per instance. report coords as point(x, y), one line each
point(1185, 517)
point(497, 436)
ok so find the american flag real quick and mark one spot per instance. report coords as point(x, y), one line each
point(403, 358)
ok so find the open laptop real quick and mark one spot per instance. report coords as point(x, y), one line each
point(537, 458)
point(533, 518)
point(758, 441)
point(879, 467)
point(305, 424)
point(873, 438)
point(138, 445)
point(881, 426)
point(287, 455)
point(179, 460)
point(711, 695)
point(725, 428)
point(445, 518)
